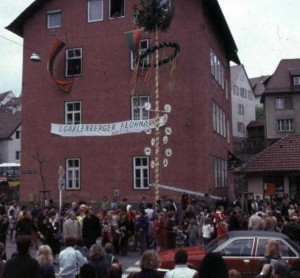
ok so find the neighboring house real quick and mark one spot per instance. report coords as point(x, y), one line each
point(258, 86)
point(6, 97)
point(10, 136)
point(243, 111)
point(281, 100)
point(278, 166)
point(15, 104)
point(98, 60)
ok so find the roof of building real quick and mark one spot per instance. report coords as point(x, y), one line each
point(9, 122)
point(256, 123)
point(281, 80)
point(212, 6)
point(282, 156)
point(4, 95)
point(14, 102)
point(258, 84)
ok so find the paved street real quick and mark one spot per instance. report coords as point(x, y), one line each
point(129, 262)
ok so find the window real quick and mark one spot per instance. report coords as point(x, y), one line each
point(226, 89)
point(18, 155)
point(241, 109)
point(116, 8)
point(95, 10)
point(241, 127)
point(73, 113)
point(250, 95)
point(296, 80)
point(143, 45)
point(73, 62)
point(216, 68)
point(141, 172)
point(238, 247)
point(284, 103)
point(284, 248)
point(73, 173)
point(243, 92)
point(221, 177)
point(219, 121)
point(235, 89)
point(53, 19)
point(138, 111)
point(18, 134)
point(285, 125)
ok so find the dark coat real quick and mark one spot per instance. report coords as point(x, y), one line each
point(100, 266)
point(47, 271)
point(91, 229)
point(21, 266)
point(52, 236)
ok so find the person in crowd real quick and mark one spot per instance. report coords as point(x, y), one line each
point(292, 229)
point(143, 203)
point(234, 221)
point(44, 257)
point(192, 231)
point(70, 259)
point(149, 264)
point(91, 228)
point(233, 273)
point(114, 204)
point(115, 271)
point(272, 252)
point(21, 264)
point(159, 230)
point(212, 266)
point(52, 233)
point(12, 223)
point(2, 260)
point(105, 204)
point(4, 225)
point(71, 227)
point(270, 221)
point(275, 269)
point(171, 230)
point(220, 220)
point(87, 271)
point(142, 228)
point(190, 213)
point(109, 253)
point(207, 231)
point(255, 222)
point(81, 247)
point(181, 268)
point(97, 261)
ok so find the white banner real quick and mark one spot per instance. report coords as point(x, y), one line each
point(132, 126)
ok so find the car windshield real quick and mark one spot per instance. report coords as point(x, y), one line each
point(216, 243)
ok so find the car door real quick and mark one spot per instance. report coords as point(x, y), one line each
point(237, 254)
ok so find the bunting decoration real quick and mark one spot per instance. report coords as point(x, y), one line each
point(133, 38)
point(64, 85)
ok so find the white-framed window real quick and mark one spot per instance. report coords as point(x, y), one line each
point(116, 8)
point(95, 10)
point(220, 172)
point(73, 113)
point(73, 61)
point(243, 92)
point(240, 127)
point(241, 109)
point(18, 134)
point(250, 95)
point(219, 120)
point(54, 19)
point(236, 90)
point(138, 111)
point(296, 80)
point(141, 172)
point(143, 45)
point(289, 124)
point(284, 103)
point(18, 155)
point(216, 68)
point(280, 125)
point(72, 173)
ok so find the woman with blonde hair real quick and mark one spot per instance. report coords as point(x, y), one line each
point(45, 258)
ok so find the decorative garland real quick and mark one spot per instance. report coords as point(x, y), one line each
point(156, 47)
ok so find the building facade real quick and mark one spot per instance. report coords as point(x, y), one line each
point(97, 61)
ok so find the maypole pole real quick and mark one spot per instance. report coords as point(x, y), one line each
point(157, 114)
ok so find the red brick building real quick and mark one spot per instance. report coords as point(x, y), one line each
point(97, 58)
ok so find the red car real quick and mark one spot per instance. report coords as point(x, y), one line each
point(241, 250)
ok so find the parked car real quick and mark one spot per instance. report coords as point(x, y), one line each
point(241, 250)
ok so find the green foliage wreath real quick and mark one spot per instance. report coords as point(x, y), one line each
point(152, 14)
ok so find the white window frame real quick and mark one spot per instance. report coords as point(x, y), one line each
point(141, 168)
point(241, 127)
point(72, 57)
point(51, 14)
point(279, 103)
point(219, 120)
point(236, 90)
point(280, 125)
point(92, 5)
point(72, 174)
point(142, 48)
point(217, 69)
point(289, 125)
point(220, 172)
point(250, 95)
point(122, 14)
point(73, 113)
point(143, 114)
point(296, 80)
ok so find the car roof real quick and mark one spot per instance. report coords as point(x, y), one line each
point(256, 234)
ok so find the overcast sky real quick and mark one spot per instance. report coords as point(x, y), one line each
point(265, 31)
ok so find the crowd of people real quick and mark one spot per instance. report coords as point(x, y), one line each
point(95, 236)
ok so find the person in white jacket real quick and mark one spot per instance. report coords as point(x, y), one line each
point(207, 231)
